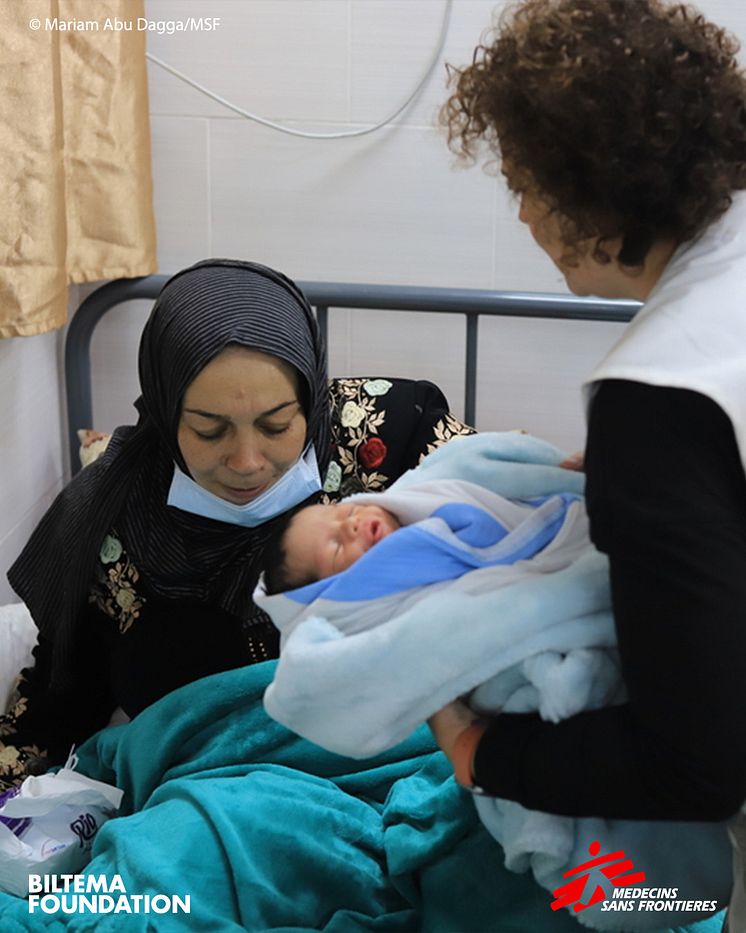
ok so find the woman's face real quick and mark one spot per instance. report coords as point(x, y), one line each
point(583, 274)
point(242, 425)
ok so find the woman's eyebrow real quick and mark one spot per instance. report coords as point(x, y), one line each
point(264, 414)
point(205, 414)
point(273, 411)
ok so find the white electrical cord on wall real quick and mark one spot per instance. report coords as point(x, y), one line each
point(344, 134)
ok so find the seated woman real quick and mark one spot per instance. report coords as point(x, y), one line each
point(139, 576)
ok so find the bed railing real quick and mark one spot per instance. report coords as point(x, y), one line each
point(472, 303)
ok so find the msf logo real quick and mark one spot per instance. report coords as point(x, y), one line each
point(618, 869)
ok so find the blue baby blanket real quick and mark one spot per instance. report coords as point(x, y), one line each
point(478, 592)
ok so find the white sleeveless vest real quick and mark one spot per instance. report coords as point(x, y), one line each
point(691, 332)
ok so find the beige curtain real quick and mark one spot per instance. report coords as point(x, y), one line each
point(75, 155)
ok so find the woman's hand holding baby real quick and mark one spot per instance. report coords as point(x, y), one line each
point(458, 730)
point(575, 461)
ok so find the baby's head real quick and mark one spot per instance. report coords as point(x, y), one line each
point(322, 540)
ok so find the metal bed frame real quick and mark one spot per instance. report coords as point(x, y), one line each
point(322, 296)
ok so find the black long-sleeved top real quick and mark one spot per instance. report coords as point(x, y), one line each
point(666, 496)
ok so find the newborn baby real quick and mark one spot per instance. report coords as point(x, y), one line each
point(322, 540)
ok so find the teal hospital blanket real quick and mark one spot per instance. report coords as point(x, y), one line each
point(265, 831)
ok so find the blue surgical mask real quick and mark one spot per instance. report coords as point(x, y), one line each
point(292, 488)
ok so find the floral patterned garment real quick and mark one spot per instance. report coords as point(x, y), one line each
point(381, 427)
point(114, 591)
point(17, 761)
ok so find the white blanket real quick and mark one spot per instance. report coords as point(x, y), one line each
point(17, 639)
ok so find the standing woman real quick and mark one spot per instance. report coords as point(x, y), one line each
point(140, 575)
point(621, 128)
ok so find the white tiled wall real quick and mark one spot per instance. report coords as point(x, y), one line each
point(381, 208)
point(386, 207)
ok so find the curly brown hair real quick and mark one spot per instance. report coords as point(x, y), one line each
point(627, 117)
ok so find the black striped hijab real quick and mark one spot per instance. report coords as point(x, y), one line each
point(199, 312)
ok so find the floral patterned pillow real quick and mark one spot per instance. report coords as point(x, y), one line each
point(381, 428)
point(92, 445)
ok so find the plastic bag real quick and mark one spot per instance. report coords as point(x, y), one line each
point(47, 825)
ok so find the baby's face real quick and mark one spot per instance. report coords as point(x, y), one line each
point(325, 539)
